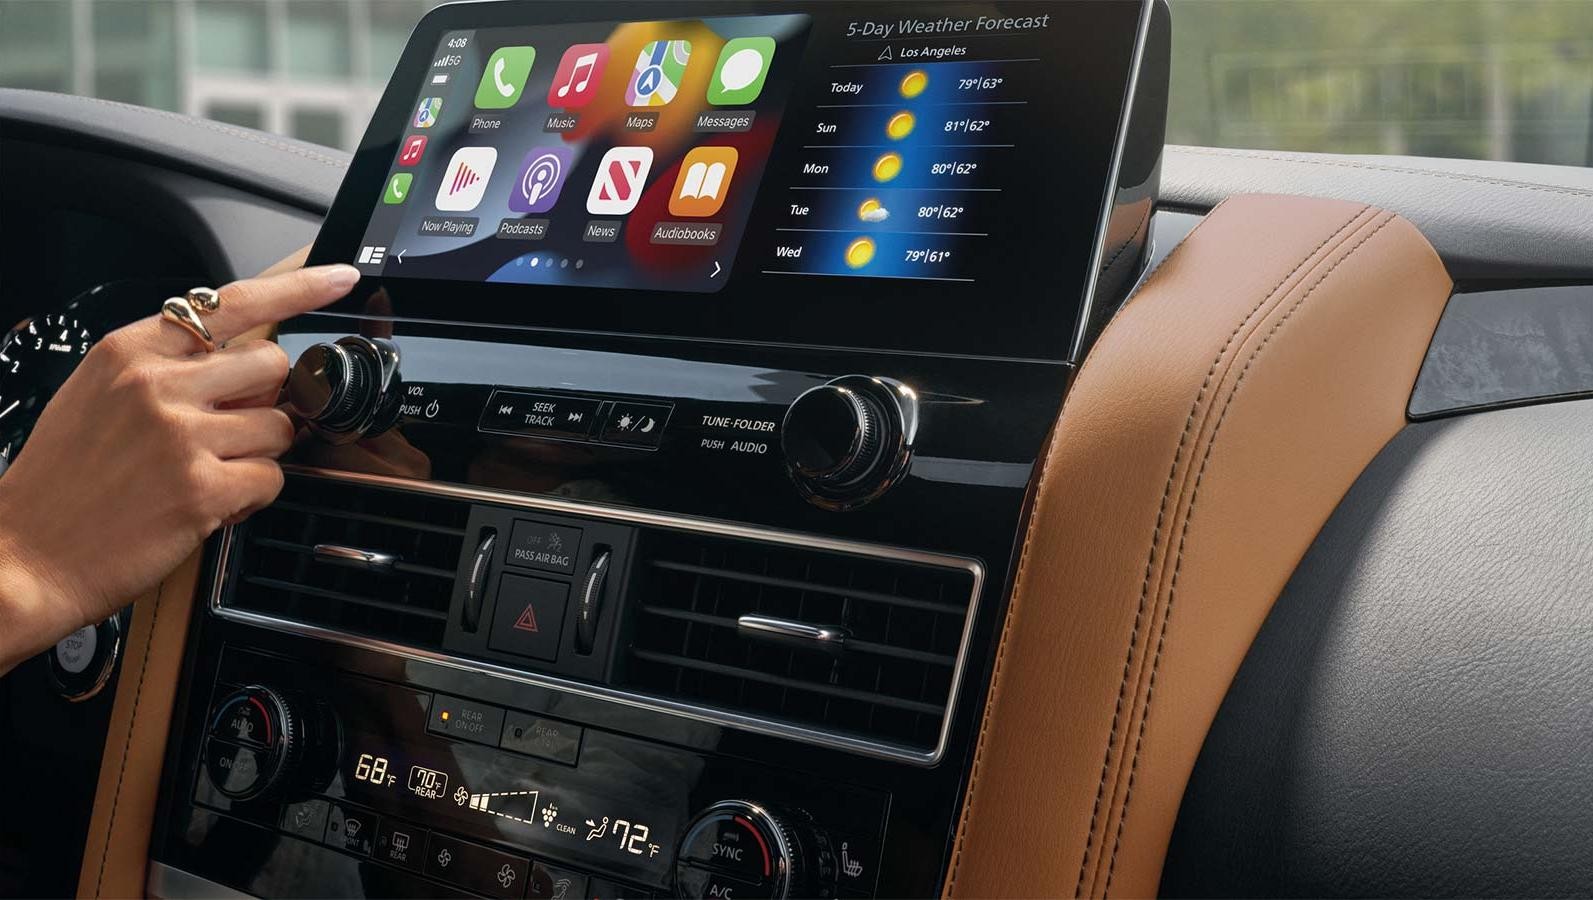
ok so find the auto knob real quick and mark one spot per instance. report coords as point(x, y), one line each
point(845, 441)
point(739, 848)
point(256, 744)
point(346, 389)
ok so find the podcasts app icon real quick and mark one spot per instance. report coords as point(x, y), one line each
point(541, 177)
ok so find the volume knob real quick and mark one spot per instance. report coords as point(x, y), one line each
point(347, 389)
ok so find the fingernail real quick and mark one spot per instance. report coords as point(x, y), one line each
point(342, 277)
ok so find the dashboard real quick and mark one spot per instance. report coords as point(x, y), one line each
point(652, 538)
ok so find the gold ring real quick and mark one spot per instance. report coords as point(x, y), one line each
point(204, 300)
point(180, 311)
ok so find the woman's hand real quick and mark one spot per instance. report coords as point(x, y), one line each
point(147, 449)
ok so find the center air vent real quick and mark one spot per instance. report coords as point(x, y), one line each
point(404, 599)
point(887, 680)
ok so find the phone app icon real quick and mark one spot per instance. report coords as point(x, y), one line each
point(703, 182)
point(426, 114)
point(504, 81)
point(465, 181)
point(414, 149)
point(618, 186)
point(659, 69)
point(743, 65)
point(579, 75)
point(541, 178)
point(397, 188)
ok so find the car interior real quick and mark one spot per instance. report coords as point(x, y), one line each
point(783, 448)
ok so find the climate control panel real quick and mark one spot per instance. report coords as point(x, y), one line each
point(512, 803)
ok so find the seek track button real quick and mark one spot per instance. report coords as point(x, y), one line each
point(549, 415)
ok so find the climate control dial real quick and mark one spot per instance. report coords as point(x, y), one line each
point(847, 441)
point(263, 741)
point(737, 848)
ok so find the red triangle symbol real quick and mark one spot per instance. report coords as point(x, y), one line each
point(527, 620)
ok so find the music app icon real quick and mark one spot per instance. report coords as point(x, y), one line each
point(579, 75)
point(414, 149)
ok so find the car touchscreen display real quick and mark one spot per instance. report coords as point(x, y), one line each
point(609, 154)
point(925, 176)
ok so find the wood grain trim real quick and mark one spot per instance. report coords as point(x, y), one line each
point(1213, 428)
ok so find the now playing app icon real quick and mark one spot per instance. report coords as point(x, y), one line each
point(465, 181)
point(618, 186)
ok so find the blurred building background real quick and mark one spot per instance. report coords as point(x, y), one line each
point(312, 69)
point(1483, 79)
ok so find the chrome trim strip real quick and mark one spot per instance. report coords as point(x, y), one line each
point(354, 557)
point(708, 715)
point(828, 635)
point(1113, 173)
point(175, 884)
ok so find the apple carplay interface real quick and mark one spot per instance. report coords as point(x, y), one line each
point(956, 152)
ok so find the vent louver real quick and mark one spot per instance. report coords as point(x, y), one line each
point(888, 682)
point(278, 573)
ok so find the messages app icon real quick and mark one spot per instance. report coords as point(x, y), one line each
point(743, 65)
point(504, 80)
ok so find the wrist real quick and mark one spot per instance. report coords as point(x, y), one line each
point(32, 615)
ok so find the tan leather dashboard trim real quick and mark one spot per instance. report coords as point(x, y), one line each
point(116, 852)
point(1213, 428)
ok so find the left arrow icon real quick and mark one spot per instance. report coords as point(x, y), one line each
point(400, 255)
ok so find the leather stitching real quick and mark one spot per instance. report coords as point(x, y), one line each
point(1001, 649)
point(132, 723)
point(1398, 170)
point(1156, 533)
point(1172, 591)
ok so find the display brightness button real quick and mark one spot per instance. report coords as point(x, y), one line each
point(636, 424)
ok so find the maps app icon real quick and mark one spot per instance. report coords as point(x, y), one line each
point(659, 68)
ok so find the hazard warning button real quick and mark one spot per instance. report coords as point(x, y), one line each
point(529, 620)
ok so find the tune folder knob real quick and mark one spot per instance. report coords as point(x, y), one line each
point(847, 441)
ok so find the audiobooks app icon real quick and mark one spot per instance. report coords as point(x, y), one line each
point(704, 181)
point(465, 181)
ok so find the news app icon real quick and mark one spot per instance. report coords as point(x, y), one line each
point(739, 75)
point(465, 181)
point(618, 186)
point(659, 68)
point(579, 75)
point(541, 178)
point(426, 114)
point(703, 182)
point(414, 149)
